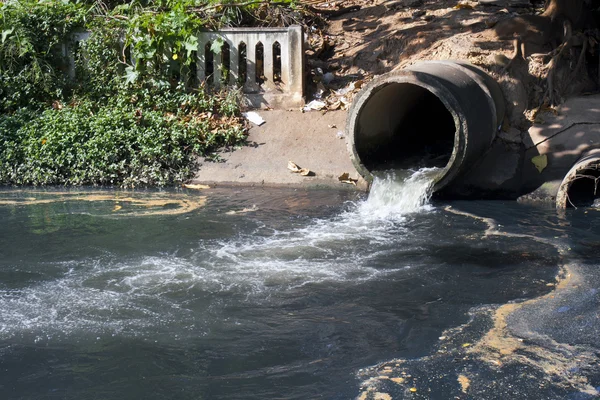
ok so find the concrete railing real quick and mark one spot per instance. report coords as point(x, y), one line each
point(69, 53)
point(267, 62)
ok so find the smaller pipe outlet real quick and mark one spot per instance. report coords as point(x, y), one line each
point(441, 114)
point(581, 186)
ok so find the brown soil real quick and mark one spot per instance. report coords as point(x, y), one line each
point(387, 35)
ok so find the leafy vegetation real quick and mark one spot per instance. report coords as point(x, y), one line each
point(133, 115)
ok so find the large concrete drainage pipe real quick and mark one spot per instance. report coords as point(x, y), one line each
point(581, 186)
point(441, 114)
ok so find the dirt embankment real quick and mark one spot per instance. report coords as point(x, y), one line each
point(384, 35)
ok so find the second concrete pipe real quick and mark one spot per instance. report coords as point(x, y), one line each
point(433, 114)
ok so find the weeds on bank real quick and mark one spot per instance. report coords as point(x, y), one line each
point(134, 115)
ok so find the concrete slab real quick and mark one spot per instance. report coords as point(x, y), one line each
point(563, 138)
point(308, 139)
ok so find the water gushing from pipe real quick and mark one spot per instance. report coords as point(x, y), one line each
point(395, 193)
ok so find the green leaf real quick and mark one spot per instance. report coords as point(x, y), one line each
point(190, 44)
point(216, 46)
point(540, 162)
point(131, 75)
point(6, 33)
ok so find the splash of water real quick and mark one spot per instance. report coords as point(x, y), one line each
point(397, 193)
point(136, 292)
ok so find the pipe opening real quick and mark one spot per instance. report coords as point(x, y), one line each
point(584, 190)
point(404, 126)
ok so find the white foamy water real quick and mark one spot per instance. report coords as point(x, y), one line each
point(145, 293)
point(397, 193)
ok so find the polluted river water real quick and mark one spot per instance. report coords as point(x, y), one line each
point(255, 293)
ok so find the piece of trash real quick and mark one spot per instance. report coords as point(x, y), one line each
point(332, 126)
point(315, 105)
point(195, 186)
point(540, 162)
point(292, 166)
point(242, 211)
point(320, 91)
point(328, 78)
point(413, 390)
point(466, 345)
point(343, 91)
point(117, 208)
point(254, 118)
point(339, 135)
point(345, 178)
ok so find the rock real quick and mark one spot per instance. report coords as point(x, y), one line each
point(512, 136)
point(404, 4)
point(505, 3)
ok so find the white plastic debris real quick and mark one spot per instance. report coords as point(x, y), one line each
point(254, 118)
point(339, 134)
point(315, 105)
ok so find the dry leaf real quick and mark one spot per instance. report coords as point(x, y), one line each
point(334, 106)
point(464, 383)
point(194, 186)
point(463, 6)
point(345, 178)
point(304, 172)
point(117, 208)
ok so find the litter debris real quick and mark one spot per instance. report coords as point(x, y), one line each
point(339, 134)
point(254, 118)
point(316, 105)
point(328, 78)
point(242, 211)
point(345, 178)
point(292, 166)
point(195, 186)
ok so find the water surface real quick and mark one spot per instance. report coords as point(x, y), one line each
point(246, 293)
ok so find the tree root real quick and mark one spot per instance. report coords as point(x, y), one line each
point(550, 95)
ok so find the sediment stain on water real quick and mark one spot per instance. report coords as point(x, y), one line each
point(126, 203)
point(510, 357)
point(257, 293)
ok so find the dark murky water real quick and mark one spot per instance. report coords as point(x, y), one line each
point(251, 293)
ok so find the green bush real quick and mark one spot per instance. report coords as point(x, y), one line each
point(150, 139)
point(120, 122)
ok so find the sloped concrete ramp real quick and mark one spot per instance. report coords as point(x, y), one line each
point(311, 140)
